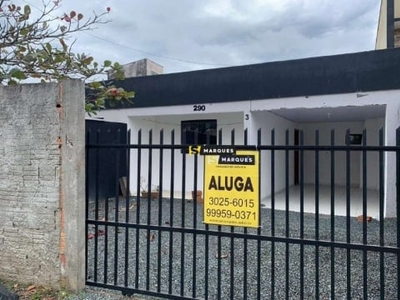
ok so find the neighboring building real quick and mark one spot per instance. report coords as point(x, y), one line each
point(349, 91)
point(388, 33)
point(143, 67)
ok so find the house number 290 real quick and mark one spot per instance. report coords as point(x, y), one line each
point(199, 107)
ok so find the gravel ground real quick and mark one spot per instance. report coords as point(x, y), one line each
point(101, 294)
point(193, 269)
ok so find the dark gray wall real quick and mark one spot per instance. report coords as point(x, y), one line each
point(347, 73)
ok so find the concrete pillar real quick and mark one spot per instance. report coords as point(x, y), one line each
point(42, 182)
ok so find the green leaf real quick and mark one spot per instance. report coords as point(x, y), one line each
point(24, 31)
point(95, 85)
point(18, 74)
point(27, 10)
point(89, 109)
point(131, 94)
point(29, 58)
point(58, 59)
point(48, 47)
point(107, 63)
point(100, 103)
point(23, 18)
point(88, 60)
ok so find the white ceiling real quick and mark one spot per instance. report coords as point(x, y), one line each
point(332, 114)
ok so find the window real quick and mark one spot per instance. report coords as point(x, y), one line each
point(196, 132)
point(354, 139)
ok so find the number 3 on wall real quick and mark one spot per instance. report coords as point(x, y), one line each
point(246, 117)
point(199, 107)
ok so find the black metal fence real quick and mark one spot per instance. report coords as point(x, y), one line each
point(161, 247)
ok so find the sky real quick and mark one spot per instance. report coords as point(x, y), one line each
point(186, 35)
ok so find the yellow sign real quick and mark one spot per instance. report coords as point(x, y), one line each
point(194, 149)
point(231, 189)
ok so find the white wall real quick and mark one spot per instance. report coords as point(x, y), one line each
point(392, 122)
point(372, 127)
point(325, 156)
point(267, 122)
point(225, 121)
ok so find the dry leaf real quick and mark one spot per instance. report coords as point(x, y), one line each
point(101, 232)
point(31, 288)
point(130, 207)
point(360, 218)
point(152, 236)
point(90, 236)
point(221, 256)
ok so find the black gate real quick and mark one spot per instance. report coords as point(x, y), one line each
point(101, 162)
point(158, 245)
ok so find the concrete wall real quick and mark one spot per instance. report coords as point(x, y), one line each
point(42, 167)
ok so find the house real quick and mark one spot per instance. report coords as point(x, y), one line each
point(351, 91)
